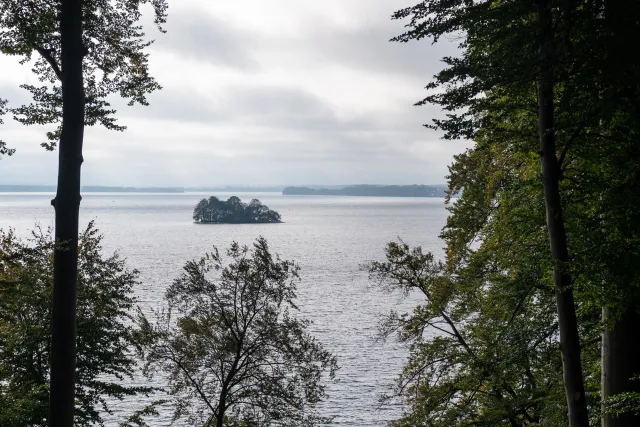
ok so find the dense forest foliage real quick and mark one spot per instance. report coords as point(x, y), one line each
point(105, 331)
point(233, 211)
point(532, 317)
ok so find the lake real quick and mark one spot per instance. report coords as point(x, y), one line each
point(330, 237)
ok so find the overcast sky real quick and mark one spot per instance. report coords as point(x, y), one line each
point(262, 92)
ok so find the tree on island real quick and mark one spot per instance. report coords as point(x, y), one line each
point(233, 211)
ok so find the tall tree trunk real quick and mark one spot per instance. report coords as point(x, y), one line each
point(67, 206)
point(221, 409)
point(568, 325)
point(620, 340)
point(621, 361)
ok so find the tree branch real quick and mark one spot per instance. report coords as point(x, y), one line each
point(46, 54)
point(566, 148)
point(193, 382)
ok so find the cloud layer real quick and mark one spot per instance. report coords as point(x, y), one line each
point(279, 92)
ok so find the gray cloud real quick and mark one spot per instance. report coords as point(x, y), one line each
point(269, 160)
point(330, 103)
point(293, 157)
point(267, 106)
point(180, 104)
point(14, 94)
point(370, 49)
point(196, 34)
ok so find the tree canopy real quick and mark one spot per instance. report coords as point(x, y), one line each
point(487, 331)
point(235, 352)
point(113, 57)
point(3, 145)
point(82, 52)
point(233, 211)
point(105, 335)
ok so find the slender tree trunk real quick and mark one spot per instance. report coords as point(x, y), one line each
point(621, 361)
point(620, 341)
point(221, 409)
point(67, 206)
point(568, 325)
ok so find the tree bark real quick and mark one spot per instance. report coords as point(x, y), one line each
point(569, 337)
point(67, 206)
point(221, 409)
point(621, 361)
point(621, 340)
point(224, 392)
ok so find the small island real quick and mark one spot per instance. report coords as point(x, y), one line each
point(233, 211)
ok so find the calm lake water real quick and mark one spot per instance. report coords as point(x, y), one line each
point(328, 236)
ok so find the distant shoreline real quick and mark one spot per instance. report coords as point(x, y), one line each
point(371, 191)
point(329, 190)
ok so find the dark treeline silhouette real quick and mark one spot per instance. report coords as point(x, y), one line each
point(371, 190)
point(233, 211)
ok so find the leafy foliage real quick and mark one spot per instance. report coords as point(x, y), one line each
point(233, 211)
point(104, 354)
point(483, 345)
point(114, 58)
point(486, 334)
point(3, 146)
point(236, 355)
point(497, 276)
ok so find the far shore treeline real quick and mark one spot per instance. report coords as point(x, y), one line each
point(233, 211)
point(371, 190)
point(414, 190)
